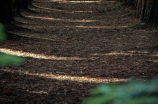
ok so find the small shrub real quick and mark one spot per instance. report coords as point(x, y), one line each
point(130, 92)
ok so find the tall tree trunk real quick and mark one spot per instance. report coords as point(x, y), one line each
point(147, 10)
point(144, 8)
point(154, 12)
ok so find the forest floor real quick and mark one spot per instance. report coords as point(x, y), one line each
point(71, 46)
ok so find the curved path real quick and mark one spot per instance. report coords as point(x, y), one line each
point(73, 45)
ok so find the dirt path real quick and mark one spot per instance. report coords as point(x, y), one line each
point(70, 47)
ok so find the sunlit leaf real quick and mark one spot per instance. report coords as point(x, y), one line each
point(102, 89)
point(99, 99)
point(132, 92)
point(7, 60)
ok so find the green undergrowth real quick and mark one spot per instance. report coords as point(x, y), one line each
point(131, 92)
point(7, 60)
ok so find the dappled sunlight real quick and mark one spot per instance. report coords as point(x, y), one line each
point(58, 10)
point(155, 54)
point(77, 78)
point(83, 1)
point(59, 19)
point(80, 1)
point(83, 11)
point(129, 53)
point(106, 27)
point(38, 56)
point(77, 1)
point(154, 60)
point(71, 78)
point(65, 11)
point(37, 92)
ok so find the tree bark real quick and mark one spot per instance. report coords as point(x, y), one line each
point(144, 8)
point(154, 12)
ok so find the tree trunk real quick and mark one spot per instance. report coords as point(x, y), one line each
point(154, 12)
point(147, 10)
point(144, 8)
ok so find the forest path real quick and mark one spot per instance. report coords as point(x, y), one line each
point(73, 45)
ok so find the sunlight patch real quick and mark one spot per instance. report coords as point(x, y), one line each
point(81, 1)
point(72, 78)
point(77, 78)
point(37, 92)
point(39, 56)
point(130, 53)
point(59, 19)
point(63, 10)
point(107, 27)
point(65, 1)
